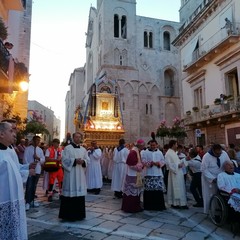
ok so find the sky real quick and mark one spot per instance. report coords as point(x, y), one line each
point(58, 45)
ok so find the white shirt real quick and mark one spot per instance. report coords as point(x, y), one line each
point(153, 156)
point(28, 157)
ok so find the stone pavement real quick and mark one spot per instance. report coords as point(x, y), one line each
point(105, 220)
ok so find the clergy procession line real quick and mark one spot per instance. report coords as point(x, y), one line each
point(134, 170)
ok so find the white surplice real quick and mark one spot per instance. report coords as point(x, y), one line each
point(210, 171)
point(74, 180)
point(13, 223)
point(94, 171)
point(176, 192)
point(23, 168)
point(119, 169)
point(227, 183)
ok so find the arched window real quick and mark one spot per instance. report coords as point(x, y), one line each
point(151, 109)
point(166, 41)
point(125, 57)
point(120, 60)
point(116, 26)
point(124, 27)
point(99, 33)
point(120, 26)
point(148, 39)
point(123, 106)
point(169, 82)
point(145, 36)
point(116, 56)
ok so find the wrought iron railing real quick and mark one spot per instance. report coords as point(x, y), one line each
point(199, 9)
point(4, 58)
point(214, 111)
point(211, 43)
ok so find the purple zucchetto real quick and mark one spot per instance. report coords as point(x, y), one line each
point(140, 142)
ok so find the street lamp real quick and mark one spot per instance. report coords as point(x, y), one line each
point(24, 86)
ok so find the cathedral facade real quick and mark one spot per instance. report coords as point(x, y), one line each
point(133, 56)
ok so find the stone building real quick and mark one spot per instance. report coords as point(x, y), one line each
point(135, 54)
point(16, 15)
point(209, 47)
point(53, 124)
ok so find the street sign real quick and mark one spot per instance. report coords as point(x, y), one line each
point(198, 133)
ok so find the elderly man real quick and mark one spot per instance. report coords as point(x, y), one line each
point(229, 181)
point(12, 208)
point(212, 165)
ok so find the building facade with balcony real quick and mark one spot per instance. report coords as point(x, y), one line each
point(46, 116)
point(210, 61)
point(14, 60)
point(133, 56)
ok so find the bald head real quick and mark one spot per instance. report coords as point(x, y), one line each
point(228, 166)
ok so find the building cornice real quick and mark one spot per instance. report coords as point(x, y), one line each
point(229, 56)
point(195, 76)
point(199, 19)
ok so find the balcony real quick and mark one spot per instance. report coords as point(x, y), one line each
point(214, 46)
point(15, 4)
point(4, 64)
point(228, 111)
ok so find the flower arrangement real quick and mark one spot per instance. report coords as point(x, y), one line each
point(162, 130)
point(177, 130)
point(36, 125)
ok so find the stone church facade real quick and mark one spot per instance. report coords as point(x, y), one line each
point(136, 53)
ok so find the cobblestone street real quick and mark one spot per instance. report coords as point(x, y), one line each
point(105, 220)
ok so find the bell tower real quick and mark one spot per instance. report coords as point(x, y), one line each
point(117, 32)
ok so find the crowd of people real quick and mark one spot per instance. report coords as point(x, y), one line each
point(140, 175)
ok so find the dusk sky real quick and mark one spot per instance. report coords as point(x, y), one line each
point(58, 44)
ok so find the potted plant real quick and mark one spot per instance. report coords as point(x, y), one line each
point(217, 101)
point(3, 30)
point(188, 113)
point(195, 109)
point(230, 98)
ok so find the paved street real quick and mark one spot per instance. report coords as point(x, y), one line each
point(106, 221)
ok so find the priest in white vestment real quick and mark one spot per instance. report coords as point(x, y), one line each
point(176, 191)
point(120, 155)
point(212, 165)
point(94, 171)
point(74, 160)
point(13, 223)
